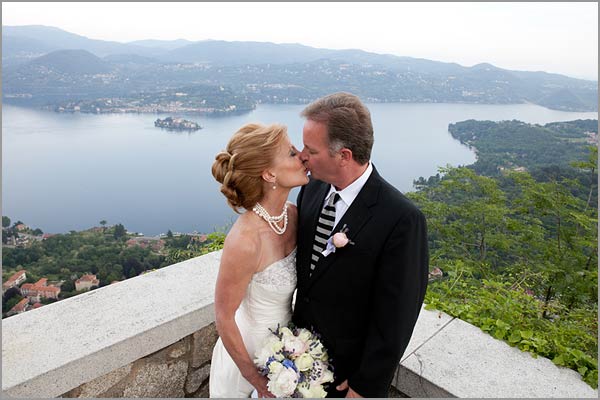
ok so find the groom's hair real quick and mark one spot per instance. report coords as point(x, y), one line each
point(348, 124)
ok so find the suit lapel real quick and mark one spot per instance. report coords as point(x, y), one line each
point(355, 219)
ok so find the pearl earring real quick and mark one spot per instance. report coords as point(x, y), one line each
point(274, 187)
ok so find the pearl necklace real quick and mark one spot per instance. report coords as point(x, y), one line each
point(261, 212)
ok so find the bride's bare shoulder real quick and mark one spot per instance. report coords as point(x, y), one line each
point(242, 243)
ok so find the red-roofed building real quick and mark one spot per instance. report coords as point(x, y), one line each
point(86, 282)
point(40, 289)
point(36, 305)
point(19, 307)
point(14, 280)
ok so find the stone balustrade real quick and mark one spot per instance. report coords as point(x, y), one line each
point(152, 336)
point(148, 336)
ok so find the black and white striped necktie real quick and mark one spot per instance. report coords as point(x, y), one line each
point(324, 227)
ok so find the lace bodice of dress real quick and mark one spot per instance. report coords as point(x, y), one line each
point(280, 273)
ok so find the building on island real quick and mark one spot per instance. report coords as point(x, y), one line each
point(170, 123)
point(86, 282)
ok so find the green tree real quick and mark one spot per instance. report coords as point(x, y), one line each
point(68, 286)
point(469, 217)
point(565, 255)
point(120, 232)
point(5, 221)
point(193, 248)
point(519, 259)
point(116, 273)
point(590, 165)
point(103, 223)
point(8, 295)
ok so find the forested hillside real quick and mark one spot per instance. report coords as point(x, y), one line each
point(519, 252)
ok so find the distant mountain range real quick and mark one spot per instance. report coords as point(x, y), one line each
point(45, 65)
point(36, 40)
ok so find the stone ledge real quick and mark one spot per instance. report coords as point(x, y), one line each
point(77, 340)
point(81, 338)
point(448, 357)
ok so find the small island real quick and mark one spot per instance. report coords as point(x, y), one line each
point(177, 124)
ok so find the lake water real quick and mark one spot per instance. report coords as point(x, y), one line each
point(64, 172)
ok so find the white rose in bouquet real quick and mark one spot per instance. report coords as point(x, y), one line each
point(283, 383)
point(305, 335)
point(304, 362)
point(274, 344)
point(270, 347)
point(275, 367)
point(294, 345)
point(286, 332)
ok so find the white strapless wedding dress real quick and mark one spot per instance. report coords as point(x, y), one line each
point(268, 302)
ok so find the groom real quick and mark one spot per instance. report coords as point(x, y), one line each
point(363, 297)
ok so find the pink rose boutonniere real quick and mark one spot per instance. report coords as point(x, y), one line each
point(336, 241)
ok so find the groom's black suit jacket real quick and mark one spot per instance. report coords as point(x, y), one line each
point(365, 298)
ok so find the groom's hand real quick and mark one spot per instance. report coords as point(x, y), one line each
point(351, 393)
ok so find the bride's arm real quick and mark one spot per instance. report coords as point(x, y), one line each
point(239, 261)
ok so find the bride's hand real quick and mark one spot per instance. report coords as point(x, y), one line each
point(260, 385)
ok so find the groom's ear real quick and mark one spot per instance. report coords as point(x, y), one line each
point(345, 156)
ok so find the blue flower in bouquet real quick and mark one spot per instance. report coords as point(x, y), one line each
point(295, 363)
point(289, 364)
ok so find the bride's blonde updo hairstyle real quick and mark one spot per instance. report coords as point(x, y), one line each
point(239, 168)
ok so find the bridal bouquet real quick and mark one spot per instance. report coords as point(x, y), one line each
point(295, 362)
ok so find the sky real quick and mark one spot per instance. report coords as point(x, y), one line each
point(534, 36)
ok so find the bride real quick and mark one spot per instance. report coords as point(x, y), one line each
point(257, 275)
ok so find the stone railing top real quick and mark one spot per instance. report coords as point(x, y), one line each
point(52, 349)
point(448, 357)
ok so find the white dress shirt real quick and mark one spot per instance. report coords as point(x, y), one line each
point(348, 194)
